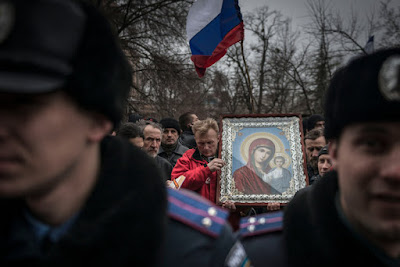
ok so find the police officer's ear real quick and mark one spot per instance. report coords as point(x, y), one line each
point(332, 150)
point(99, 127)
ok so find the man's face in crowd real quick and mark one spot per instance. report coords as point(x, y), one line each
point(324, 164)
point(319, 125)
point(194, 119)
point(170, 136)
point(207, 143)
point(152, 140)
point(137, 141)
point(367, 159)
point(45, 139)
point(312, 149)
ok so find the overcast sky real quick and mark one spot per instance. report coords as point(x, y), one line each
point(298, 12)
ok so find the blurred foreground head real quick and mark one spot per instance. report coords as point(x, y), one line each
point(50, 45)
point(365, 90)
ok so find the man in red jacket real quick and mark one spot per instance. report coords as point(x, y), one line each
point(199, 166)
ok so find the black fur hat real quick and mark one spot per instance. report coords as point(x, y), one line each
point(49, 45)
point(323, 151)
point(312, 120)
point(366, 90)
point(170, 123)
point(134, 117)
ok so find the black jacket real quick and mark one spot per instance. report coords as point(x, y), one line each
point(175, 155)
point(165, 167)
point(313, 234)
point(116, 227)
point(191, 242)
point(187, 139)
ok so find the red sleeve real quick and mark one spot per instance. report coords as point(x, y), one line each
point(195, 173)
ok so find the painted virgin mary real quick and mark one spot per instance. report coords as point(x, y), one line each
point(248, 179)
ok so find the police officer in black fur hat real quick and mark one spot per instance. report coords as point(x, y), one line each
point(70, 194)
point(351, 217)
point(67, 196)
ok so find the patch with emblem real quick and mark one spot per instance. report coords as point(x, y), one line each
point(237, 257)
point(263, 223)
point(7, 16)
point(389, 78)
point(195, 211)
point(208, 180)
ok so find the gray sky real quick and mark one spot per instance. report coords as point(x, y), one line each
point(298, 12)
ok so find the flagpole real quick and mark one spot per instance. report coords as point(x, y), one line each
point(249, 87)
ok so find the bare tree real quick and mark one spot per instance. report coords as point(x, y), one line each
point(264, 24)
point(287, 86)
point(152, 33)
point(389, 23)
point(283, 74)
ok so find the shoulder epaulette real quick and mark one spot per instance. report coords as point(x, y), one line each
point(195, 211)
point(264, 223)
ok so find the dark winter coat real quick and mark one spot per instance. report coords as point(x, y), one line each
point(175, 155)
point(116, 227)
point(187, 139)
point(165, 167)
point(313, 234)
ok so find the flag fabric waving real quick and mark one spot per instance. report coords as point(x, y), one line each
point(212, 27)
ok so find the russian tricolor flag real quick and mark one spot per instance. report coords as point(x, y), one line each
point(212, 27)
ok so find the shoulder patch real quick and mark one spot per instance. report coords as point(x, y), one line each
point(264, 223)
point(196, 212)
point(237, 257)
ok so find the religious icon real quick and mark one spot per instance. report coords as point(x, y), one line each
point(264, 156)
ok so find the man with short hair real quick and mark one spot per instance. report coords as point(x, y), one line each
point(152, 133)
point(186, 122)
point(131, 132)
point(200, 166)
point(324, 164)
point(67, 196)
point(350, 217)
point(314, 142)
point(170, 148)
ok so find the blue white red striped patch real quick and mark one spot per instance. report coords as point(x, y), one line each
point(264, 223)
point(199, 213)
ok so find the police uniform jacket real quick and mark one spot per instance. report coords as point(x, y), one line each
point(198, 234)
point(115, 227)
point(314, 233)
point(198, 177)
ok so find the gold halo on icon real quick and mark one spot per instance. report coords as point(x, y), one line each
point(279, 147)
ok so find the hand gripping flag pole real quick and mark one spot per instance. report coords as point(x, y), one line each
point(212, 27)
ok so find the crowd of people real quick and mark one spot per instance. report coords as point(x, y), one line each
point(73, 194)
